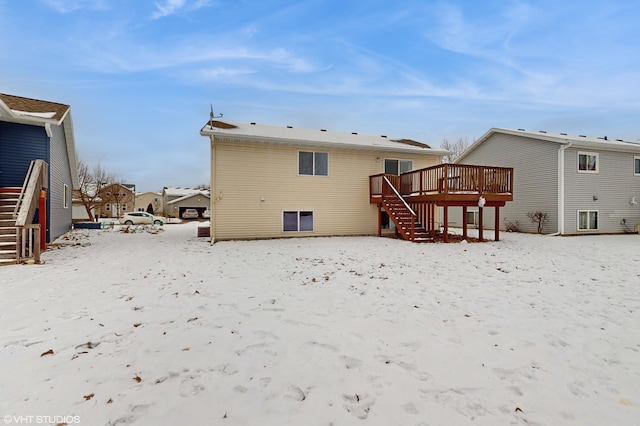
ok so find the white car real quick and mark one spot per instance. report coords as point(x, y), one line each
point(139, 218)
point(190, 214)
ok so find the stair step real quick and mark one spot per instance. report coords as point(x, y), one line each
point(4, 262)
point(8, 254)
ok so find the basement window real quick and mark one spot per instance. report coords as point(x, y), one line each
point(587, 220)
point(587, 162)
point(313, 163)
point(297, 221)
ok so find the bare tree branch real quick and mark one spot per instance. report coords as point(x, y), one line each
point(92, 180)
point(456, 148)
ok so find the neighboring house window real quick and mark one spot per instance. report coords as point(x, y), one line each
point(107, 207)
point(636, 166)
point(297, 221)
point(587, 220)
point(313, 163)
point(472, 217)
point(65, 196)
point(396, 167)
point(124, 207)
point(588, 162)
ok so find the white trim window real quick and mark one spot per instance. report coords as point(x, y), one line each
point(393, 166)
point(107, 207)
point(297, 221)
point(313, 163)
point(124, 207)
point(65, 196)
point(587, 220)
point(588, 162)
point(636, 165)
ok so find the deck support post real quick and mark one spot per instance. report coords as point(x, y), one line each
point(379, 220)
point(497, 224)
point(464, 222)
point(480, 224)
point(42, 219)
point(446, 224)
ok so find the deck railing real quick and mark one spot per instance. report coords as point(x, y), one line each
point(448, 179)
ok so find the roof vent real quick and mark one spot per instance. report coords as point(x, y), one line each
point(542, 131)
point(619, 140)
point(583, 136)
point(564, 134)
point(323, 130)
point(354, 133)
point(289, 127)
point(383, 136)
point(522, 130)
point(253, 124)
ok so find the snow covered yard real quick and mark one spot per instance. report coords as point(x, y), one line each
point(164, 329)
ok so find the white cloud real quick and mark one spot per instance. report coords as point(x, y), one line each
point(169, 7)
point(68, 6)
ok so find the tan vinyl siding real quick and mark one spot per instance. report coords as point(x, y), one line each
point(614, 185)
point(535, 165)
point(252, 185)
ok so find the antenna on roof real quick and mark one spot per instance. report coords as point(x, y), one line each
point(212, 116)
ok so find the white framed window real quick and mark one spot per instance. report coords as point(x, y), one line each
point(587, 220)
point(124, 207)
point(107, 207)
point(313, 163)
point(297, 221)
point(393, 166)
point(636, 165)
point(588, 162)
point(65, 196)
point(472, 217)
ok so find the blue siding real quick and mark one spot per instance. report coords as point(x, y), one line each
point(19, 144)
point(59, 176)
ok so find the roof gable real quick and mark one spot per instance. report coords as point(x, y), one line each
point(252, 133)
point(580, 141)
point(33, 108)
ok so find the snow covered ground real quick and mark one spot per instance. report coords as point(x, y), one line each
point(164, 329)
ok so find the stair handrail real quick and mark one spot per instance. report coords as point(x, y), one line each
point(397, 194)
point(24, 185)
point(406, 205)
point(35, 181)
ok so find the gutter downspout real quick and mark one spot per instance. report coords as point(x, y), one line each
point(212, 192)
point(561, 188)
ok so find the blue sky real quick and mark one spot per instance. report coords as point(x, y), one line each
point(140, 75)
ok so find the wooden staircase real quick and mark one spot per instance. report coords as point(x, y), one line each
point(405, 219)
point(8, 229)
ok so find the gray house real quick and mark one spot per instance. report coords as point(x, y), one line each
point(585, 185)
point(176, 200)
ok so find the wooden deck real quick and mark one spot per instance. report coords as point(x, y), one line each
point(448, 185)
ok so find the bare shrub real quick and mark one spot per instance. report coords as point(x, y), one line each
point(540, 218)
point(512, 225)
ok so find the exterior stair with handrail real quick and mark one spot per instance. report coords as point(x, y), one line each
point(404, 218)
point(8, 229)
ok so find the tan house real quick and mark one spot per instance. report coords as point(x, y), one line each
point(116, 199)
point(148, 202)
point(272, 182)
